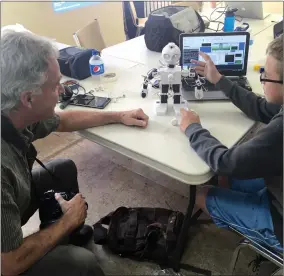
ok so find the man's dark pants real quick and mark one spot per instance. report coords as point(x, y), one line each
point(63, 259)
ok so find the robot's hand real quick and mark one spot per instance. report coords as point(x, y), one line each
point(144, 93)
point(152, 74)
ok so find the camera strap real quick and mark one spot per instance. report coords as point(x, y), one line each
point(50, 173)
point(12, 136)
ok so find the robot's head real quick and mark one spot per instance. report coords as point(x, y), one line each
point(171, 54)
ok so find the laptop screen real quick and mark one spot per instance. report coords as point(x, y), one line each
point(228, 52)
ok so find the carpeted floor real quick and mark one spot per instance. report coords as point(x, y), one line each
point(109, 180)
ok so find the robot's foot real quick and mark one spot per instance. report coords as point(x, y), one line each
point(178, 107)
point(161, 108)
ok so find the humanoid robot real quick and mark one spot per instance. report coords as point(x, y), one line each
point(171, 75)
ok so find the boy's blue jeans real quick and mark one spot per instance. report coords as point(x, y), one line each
point(244, 207)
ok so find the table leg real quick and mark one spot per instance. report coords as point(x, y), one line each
point(182, 240)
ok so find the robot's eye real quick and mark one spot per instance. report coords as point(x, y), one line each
point(167, 56)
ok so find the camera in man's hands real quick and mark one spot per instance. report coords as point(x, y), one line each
point(49, 208)
point(50, 211)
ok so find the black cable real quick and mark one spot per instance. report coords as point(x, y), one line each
point(71, 84)
point(211, 29)
point(205, 17)
point(75, 87)
point(240, 19)
point(225, 9)
point(216, 20)
point(218, 27)
point(216, 30)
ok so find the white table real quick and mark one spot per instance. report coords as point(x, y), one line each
point(162, 146)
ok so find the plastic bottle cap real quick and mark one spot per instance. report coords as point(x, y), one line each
point(95, 52)
point(229, 13)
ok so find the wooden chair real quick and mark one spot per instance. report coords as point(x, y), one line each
point(139, 23)
point(90, 36)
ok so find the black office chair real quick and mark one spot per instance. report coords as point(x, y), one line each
point(268, 253)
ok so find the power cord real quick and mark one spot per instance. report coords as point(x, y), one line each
point(216, 19)
point(71, 88)
point(222, 12)
point(74, 86)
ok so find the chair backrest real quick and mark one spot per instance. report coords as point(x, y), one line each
point(90, 36)
point(150, 6)
point(133, 12)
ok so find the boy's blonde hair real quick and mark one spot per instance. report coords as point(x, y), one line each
point(275, 49)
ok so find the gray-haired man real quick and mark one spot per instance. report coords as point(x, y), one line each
point(30, 85)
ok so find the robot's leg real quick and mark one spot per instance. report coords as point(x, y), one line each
point(178, 101)
point(164, 96)
point(177, 97)
point(161, 106)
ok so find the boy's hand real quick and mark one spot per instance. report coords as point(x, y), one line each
point(188, 117)
point(207, 68)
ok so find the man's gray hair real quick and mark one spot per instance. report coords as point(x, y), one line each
point(275, 49)
point(24, 65)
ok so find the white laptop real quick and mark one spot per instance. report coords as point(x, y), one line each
point(229, 52)
point(248, 9)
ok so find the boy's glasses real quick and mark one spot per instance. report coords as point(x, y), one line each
point(263, 79)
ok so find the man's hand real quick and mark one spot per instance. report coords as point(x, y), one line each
point(188, 117)
point(38, 244)
point(134, 118)
point(207, 68)
point(74, 210)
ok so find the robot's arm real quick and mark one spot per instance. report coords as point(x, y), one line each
point(193, 79)
point(150, 75)
point(144, 91)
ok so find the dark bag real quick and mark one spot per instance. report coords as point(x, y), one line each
point(140, 233)
point(159, 30)
point(74, 62)
point(143, 234)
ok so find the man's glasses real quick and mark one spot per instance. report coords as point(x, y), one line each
point(263, 79)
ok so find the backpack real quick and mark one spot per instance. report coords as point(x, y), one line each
point(159, 29)
point(74, 62)
point(142, 234)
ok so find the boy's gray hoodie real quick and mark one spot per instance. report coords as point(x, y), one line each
point(259, 157)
